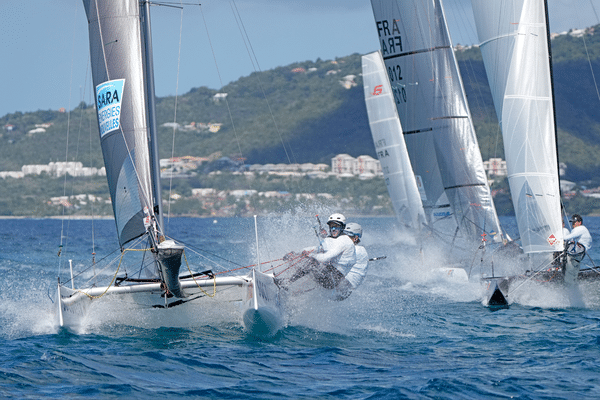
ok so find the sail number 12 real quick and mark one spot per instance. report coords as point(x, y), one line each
point(395, 75)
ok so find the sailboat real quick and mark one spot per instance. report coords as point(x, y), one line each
point(122, 66)
point(515, 44)
point(429, 97)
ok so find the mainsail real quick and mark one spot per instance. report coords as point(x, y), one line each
point(514, 45)
point(389, 142)
point(121, 104)
point(429, 95)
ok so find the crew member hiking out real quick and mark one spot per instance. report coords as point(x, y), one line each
point(359, 270)
point(327, 263)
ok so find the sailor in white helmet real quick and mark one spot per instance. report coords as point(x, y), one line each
point(335, 257)
point(337, 247)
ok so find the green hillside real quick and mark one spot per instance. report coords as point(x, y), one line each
point(303, 113)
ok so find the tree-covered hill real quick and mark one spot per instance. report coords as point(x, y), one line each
point(308, 112)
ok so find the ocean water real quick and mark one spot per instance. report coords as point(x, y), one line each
point(404, 333)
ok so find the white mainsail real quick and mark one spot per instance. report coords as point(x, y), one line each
point(389, 142)
point(514, 45)
point(429, 95)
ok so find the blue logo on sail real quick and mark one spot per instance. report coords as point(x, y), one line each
point(108, 103)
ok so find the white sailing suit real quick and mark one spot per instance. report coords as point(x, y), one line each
point(338, 252)
point(359, 270)
point(581, 235)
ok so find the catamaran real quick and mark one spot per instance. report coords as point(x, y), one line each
point(514, 40)
point(122, 67)
point(426, 89)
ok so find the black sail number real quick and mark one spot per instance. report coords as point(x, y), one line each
point(399, 94)
point(395, 74)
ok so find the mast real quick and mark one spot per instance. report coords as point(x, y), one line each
point(151, 98)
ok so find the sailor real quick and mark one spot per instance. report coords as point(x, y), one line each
point(576, 243)
point(579, 233)
point(337, 257)
point(329, 261)
point(358, 271)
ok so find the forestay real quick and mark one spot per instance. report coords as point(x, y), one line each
point(514, 45)
point(389, 142)
point(119, 78)
point(430, 99)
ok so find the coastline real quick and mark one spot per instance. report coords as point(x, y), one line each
point(104, 217)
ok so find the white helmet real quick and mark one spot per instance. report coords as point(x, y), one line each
point(353, 229)
point(337, 219)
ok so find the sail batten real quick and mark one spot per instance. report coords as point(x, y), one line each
point(410, 53)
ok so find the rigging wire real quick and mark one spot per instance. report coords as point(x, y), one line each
point(90, 200)
point(252, 56)
point(221, 82)
point(588, 54)
point(175, 117)
point(590, 64)
point(253, 59)
point(62, 229)
point(472, 78)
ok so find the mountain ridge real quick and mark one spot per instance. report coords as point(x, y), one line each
point(310, 111)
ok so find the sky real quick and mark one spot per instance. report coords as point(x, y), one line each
point(44, 43)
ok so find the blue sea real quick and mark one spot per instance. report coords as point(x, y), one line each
point(401, 334)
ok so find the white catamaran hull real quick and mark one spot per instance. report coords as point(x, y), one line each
point(73, 304)
point(72, 307)
point(262, 311)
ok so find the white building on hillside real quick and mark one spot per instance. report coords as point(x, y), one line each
point(495, 167)
point(365, 167)
point(343, 165)
point(73, 168)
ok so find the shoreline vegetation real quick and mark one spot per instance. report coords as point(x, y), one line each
point(228, 194)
